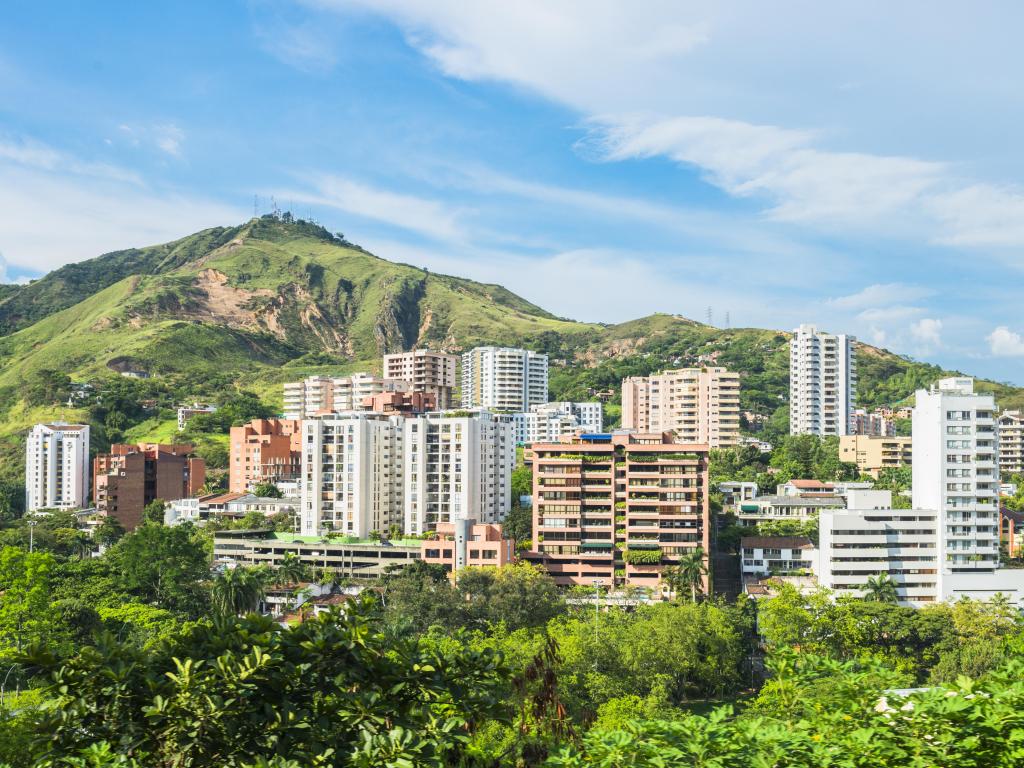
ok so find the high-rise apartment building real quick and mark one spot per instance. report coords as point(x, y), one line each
point(699, 405)
point(365, 472)
point(872, 424)
point(457, 467)
point(1011, 443)
point(822, 382)
point(264, 451)
point(504, 379)
point(618, 507)
point(546, 423)
point(325, 394)
point(351, 478)
point(955, 472)
point(131, 476)
point(428, 371)
point(57, 466)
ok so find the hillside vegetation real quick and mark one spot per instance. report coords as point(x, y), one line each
point(274, 299)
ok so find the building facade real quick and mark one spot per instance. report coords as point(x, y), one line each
point(431, 372)
point(264, 451)
point(873, 454)
point(1011, 443)
point(57, 467)
point(325, 394)
point(822, 382)
point(367, 472)
point(872, 423)
point(699, 405)
point(777, 556)
point(955, 473)
point(186, 412)
point(457, 467)
point(131, 476)
point(351, 479)
point(504, 379)
point(870, 538)
point(618, 508)
point(467, 543)
point(545, 423)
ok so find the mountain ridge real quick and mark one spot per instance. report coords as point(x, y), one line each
point(275, 298)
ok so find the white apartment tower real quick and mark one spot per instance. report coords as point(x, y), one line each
point(457, 467)
point(365, 472)
point(955, 472)
point(504, 379)
point(1011, 443)
point(822, 382)
point(351, 474)
point(700, 405)
point(57, 467)
point(427, 371)
point(546, 423)
point(326, 394)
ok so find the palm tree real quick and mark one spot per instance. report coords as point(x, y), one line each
point(238, 591)
point(291, 570)
point(689, 573)
point(880, 589)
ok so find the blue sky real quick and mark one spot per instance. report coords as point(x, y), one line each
point(857, 167)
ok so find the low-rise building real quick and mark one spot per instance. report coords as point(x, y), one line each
point(774, 508)
point(264, 451)
point(868, 540)
point(131, 476)
point(874, 454)
point(186, 412)
point(347, 557)
point(227, 505)
point(467, 543)
point(400, 403)
point(778, 556)
point(735, 492)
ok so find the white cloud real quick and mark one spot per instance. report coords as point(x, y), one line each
point(52, 216)
point(34, 154)
point(1003, 342)
point(304, 46)
point(927, 331)
point(417, 214)
point(169, 138)
point(756, 98)
point(879, 294)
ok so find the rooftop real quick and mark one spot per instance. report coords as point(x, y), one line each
point(777, 542)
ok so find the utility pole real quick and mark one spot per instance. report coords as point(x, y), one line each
point(32, 535)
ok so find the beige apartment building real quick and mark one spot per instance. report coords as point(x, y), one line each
point(618, 508)
point(699, 405)
point(1011, 443)
point(428, 371)
point(873, 454)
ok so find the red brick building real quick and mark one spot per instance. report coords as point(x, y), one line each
point(131, 476)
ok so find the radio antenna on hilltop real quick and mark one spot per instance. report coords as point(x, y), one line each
point(710, 315)
point(273, 205)
point(255, 206)
point(726, 318)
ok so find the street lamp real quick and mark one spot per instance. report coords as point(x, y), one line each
point(32, 535)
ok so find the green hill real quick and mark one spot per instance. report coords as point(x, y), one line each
point(274, 299)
